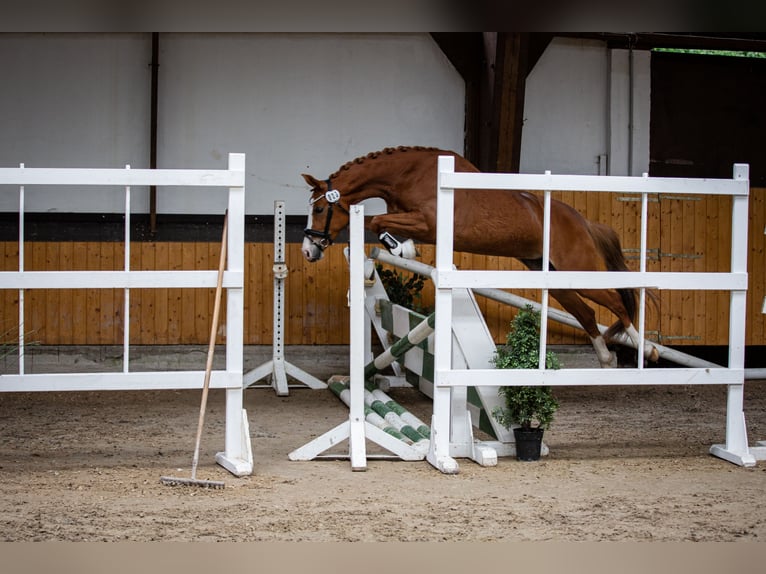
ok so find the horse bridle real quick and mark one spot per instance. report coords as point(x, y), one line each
point(332, 196)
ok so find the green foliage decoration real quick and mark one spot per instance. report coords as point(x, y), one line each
point(525, 405)
point(404, 291)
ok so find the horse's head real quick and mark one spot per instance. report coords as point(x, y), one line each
point(327, 218)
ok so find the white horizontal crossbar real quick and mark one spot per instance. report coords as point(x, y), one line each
point(122, 177)
point(117, 279)
point(161, 380)
point(472, 279)
point(587, 377)
point(622, 184)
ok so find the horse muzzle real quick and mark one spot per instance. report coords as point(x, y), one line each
point(311, 251)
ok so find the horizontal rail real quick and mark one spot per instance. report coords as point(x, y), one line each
point(471, 279)
point(587, 377)
point(620, 184)
point(159, 380)
point(117, 279)
point(122, 177)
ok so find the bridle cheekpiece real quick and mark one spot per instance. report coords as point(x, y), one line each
point(332, 196)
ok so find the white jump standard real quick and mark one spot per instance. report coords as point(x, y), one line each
point(278, 368)
point(356, 429)
point(237, 454)
point(446, 279)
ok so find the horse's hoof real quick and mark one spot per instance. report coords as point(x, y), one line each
point(654, 355)
point(611, 363)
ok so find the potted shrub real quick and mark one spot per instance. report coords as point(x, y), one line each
point(528, 410)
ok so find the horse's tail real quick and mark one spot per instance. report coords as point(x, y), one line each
point(608, 243)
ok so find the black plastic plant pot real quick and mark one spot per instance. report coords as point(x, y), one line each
point(528, 443)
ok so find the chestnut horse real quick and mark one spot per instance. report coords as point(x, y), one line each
point(487, 222)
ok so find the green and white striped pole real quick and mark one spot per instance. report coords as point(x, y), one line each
point(381, 411)
point(343, 392)
point(406, 416)
point(417, 335)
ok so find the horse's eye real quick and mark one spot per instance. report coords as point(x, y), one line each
point(318, 209)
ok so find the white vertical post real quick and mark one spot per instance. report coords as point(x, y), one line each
point(642, 268)
point(546, 269)
point(126, 302)
point(356, 418)
point(736, 432)
point(237, 457)
point(21, 270)
point(438, 455)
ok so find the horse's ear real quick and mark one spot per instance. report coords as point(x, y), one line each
point(311, 180)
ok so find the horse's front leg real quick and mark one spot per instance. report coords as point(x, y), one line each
point(407, 224)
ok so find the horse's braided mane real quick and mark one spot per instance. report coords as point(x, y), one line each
point(375, 154)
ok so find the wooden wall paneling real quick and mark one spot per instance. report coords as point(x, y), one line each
point(67, 324)
point(35, 299)
point(93, 297)
point(188, 307)
point(160, 296)
point(262, 284)
point(671, 312)
point(686, 256)
point(214, 255)
point(698, 265)
point(316, 292)
point(309, 290)
point(9, 298)
point(654, 261)
point(111, 299)
point(250, 294)
point(724, 264)
point(202, 314)
point(79, 296)
point(143, 301)
point(52, 318)
point(175, 301)
point(297, 286)
point(711, 246)
point(326, 322)
point(337, 323)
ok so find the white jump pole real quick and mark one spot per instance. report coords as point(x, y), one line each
point(667, 353)
point(278, 368)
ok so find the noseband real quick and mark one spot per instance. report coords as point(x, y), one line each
point(332, 196)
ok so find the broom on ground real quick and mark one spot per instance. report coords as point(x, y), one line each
point(194, 481)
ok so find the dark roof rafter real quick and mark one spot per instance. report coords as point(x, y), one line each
point(734, 41)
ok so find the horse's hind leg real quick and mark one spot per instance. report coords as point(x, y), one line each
point(650, 351)
point(611, 299)
point(572, 302)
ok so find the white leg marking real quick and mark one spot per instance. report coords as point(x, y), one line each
point(606, 358)
point(650, 351)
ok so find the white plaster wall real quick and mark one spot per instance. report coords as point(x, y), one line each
point(74, 100)
point(578, 110)
point(565, 109)
point(299, 103)
point(292, 102)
